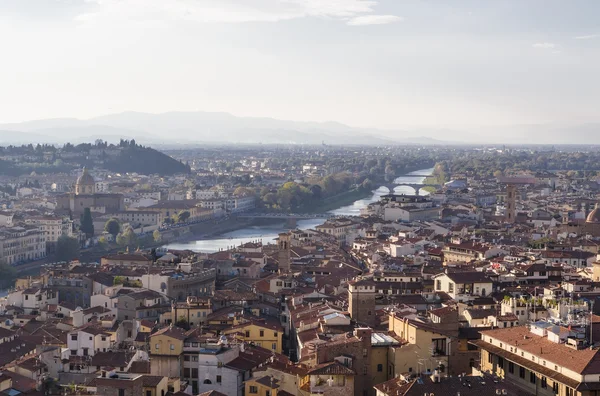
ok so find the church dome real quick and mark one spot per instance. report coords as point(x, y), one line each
point(594, 216)
point(85, 183)
point(85, 178)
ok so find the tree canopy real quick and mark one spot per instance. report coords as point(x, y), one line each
point(67, 248)
point(182, 216)
point(113, 227)
point(127, 238)
point(87, 223)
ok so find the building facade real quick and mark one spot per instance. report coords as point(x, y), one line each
point(22, 244)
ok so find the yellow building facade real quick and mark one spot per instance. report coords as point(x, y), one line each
point(268, 336)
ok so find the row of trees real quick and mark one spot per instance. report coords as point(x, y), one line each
point(68, 248)
point(293, 196)
point(494, 163)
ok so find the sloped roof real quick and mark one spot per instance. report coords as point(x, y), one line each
point(331, 368)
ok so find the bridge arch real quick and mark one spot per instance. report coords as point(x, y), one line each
point(415, 186)
point(391, 188)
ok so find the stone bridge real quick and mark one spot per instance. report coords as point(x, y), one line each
point(285, 216)
point(415, 186)
point(291, 219)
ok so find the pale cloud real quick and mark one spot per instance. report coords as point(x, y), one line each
point(544, 45)
point(357, 12)
point(587, 37)
point(374, 20)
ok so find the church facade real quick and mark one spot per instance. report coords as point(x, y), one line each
point(590, 227)
point(85, 196)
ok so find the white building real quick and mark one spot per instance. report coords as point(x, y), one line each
point(212, 204)
point(206, 368)
point(405, 247)
point(102, 187)
point(207, 194)
point(33, 299)
point(139, 202)
point(21, 244)
point(53, 226)
point(463, 286)
point(135, 217)
point(88, 341)
point(84, 316)
point(243, 204)
point(6, 218)
point(409, 213)
point(339, 228)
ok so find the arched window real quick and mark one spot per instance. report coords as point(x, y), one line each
point(207, 381)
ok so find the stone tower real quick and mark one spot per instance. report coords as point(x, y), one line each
point(284, 252)
point(361, 301)
point(511, 203)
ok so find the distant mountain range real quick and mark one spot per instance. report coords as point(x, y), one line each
point(191, 128)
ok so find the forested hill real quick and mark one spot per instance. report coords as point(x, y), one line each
point(145, 160)
point(126, 157)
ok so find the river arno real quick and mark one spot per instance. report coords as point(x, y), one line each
point(268, 233)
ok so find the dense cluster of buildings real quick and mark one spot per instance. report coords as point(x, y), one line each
point(43, 214)
point(357, 306)
point(485, 286)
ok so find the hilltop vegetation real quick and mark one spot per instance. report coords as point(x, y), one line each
point(126, 157)
point(144, 160)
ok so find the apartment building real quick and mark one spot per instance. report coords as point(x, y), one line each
point(264, 332)
point(463, 285)
point(542, 361)
point(53, 227)
point(166, 349)
point(167, 209)
point(338, 228)
point(22, 243)
point(205, 366)
point(143, 217)
point(87, 341)
point(465, 252)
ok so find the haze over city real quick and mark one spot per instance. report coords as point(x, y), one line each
point(299, 197)
point(463, 71)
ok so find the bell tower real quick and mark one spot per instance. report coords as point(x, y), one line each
point(511, 203)
point(284, 252)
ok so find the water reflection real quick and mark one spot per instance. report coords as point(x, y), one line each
point(267, 234)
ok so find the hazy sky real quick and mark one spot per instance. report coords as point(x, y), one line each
point(386, 63)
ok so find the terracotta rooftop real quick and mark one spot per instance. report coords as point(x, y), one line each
point(331, 368)
point(467, 386)
point(174, 332)
point(583, 361)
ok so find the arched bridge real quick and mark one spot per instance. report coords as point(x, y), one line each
point(415, 186)
point(285, 216)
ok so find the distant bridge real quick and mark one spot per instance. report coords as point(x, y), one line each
point(286, 216)
point(415, 186)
